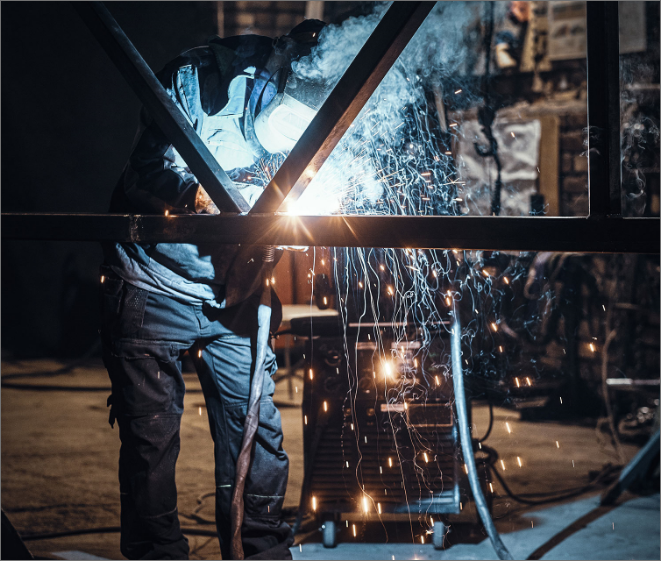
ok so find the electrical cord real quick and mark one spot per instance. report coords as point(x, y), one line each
point(551, 496)
point(251, 422)
point(579, 491)
point(467, 443)
point(105, 530)
point(490, 424)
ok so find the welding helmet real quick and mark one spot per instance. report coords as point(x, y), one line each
point(287, 103)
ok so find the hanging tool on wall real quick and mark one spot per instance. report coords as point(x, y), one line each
point(486, 115)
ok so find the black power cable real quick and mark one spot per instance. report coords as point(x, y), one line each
point(490, 424)
point(105, 530)
point(576, 493)
point(552, 496)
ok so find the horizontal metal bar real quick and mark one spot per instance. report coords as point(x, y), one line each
point(584, 235)
point(342, 106)
point(603, 70)
point(162, 109)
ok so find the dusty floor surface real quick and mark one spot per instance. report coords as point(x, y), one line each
point(59, 464)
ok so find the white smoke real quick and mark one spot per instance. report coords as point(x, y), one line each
point(355, 177)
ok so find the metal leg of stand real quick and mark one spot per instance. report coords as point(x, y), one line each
point(290, 373)
point(635, 469)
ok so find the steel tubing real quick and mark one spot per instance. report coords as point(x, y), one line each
point(623, 235)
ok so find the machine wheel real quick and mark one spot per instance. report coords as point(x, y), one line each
point(439, 534)
point(329, 533)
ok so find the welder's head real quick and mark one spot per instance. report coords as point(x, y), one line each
point(288, 104)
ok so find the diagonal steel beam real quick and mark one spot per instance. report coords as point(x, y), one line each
point(351, 93)
point(153, 96)
point(577, 234)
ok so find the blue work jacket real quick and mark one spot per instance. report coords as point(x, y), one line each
point(213, 86)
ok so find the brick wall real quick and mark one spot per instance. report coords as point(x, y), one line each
point(573, 173)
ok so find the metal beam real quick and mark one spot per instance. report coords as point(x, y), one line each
point(153, 96)
point(351, 93)
point(603, 69)
point(584, 235)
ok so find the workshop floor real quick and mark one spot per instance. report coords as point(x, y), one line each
point(59, 473)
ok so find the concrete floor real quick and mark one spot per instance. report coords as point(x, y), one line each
point(59, 461)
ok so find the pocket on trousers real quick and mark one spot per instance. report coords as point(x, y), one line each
point(110, 298)
point(146, 378)
point(122, 307)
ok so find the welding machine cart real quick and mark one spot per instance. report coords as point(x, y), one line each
point(380, 441)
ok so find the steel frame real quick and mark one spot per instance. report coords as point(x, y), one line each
point(604, 230)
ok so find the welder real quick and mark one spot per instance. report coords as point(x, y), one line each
point(162, 300)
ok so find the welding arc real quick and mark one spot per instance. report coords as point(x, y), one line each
point(467, 442)
point(252, 414)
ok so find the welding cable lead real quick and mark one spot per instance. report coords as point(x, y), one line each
point(467, 443)
point(252, 415)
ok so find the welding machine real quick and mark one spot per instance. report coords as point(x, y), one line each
point(380, 437)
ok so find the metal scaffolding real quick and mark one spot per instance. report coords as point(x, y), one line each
point(604, 230)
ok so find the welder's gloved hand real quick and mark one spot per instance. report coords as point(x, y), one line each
point(203, 202)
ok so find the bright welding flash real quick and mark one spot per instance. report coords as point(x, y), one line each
point(366, 506)
point(314, 503)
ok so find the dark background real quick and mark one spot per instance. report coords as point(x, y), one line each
point(68, 121)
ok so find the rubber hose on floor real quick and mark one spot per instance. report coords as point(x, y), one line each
point(467, 443)
point(252, 416)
